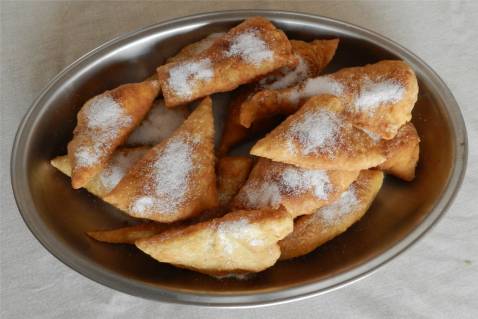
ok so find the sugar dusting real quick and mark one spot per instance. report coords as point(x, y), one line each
point(250, 47)
point(346, 203)
point(184, 76)
point(284, 180)
point(315, 86)
point(317, 132)
point(236, 233)
point(120, 163)
point(170, 175)
point(104, 119)
point(373, 136)
point(287, 76)
point(158, 124)
point(375, 93)
point(299, 181)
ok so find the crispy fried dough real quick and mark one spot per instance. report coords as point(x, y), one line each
point(196, 48)
point(176, 179)
point(313, 58)
point(377, 97)
point(329, 221)
point(318, 136)
point(300, 191)
point(109, 177)
point(232, 172)
point(104, 123)
point(241, 241)
point(248, 51)
point(402, 153)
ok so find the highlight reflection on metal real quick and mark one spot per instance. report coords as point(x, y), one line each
point(58, 216)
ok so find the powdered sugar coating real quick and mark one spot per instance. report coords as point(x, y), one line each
point(315, 86)
point(104, 119)
point(284, 180)
point(373, 136)
point(288, 77)
point(234, 234)
point(299, 181)
point(343, 206)
point(375, 93)
point(317, 132)
point(118, 166)
point(250, 47)
point(158, 124)
point(167, 188)
point(184, 77)
point(265, 194)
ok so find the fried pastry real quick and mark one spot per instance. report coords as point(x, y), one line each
point(248, 51)
point(129, 234)
point(402, 153)
point(299, 191)
point(158, 124)
point(329, 221)
point(175, 179)
point(377, 97)
point(241, 241)
point(313, 57)
point(318, 136)
point(104, 123)
point(232, 172)
point(196, 48)
point(104, 182)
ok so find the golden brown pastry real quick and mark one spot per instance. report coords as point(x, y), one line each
point(300, 191)
point(129, 234)
point(402, 153)
point(318, 136)
point(158, 124)
point(196, 48)
point(377, 97)
point(232, 172)
point(104, 123)
point(175, 179)
point(329, 221)
point(241, 241)
point(313, 57)
point(104, 182)
point(248, 51)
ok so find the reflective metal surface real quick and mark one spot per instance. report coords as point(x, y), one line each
point(58, 215)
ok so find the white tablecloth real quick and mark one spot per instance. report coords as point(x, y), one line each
point(437, 278)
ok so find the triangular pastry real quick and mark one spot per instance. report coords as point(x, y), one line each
point(104, 182)
point(248, 51)
point(174, 180)
point(232, 172)
point(313, 57)
point(329, 221)
point(402, 153)
point(104, 123)
point(319, 136)
point(378, 97)
point(300, 191)
point(241, 241)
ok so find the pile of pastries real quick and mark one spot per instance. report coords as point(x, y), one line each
point(325, 143)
